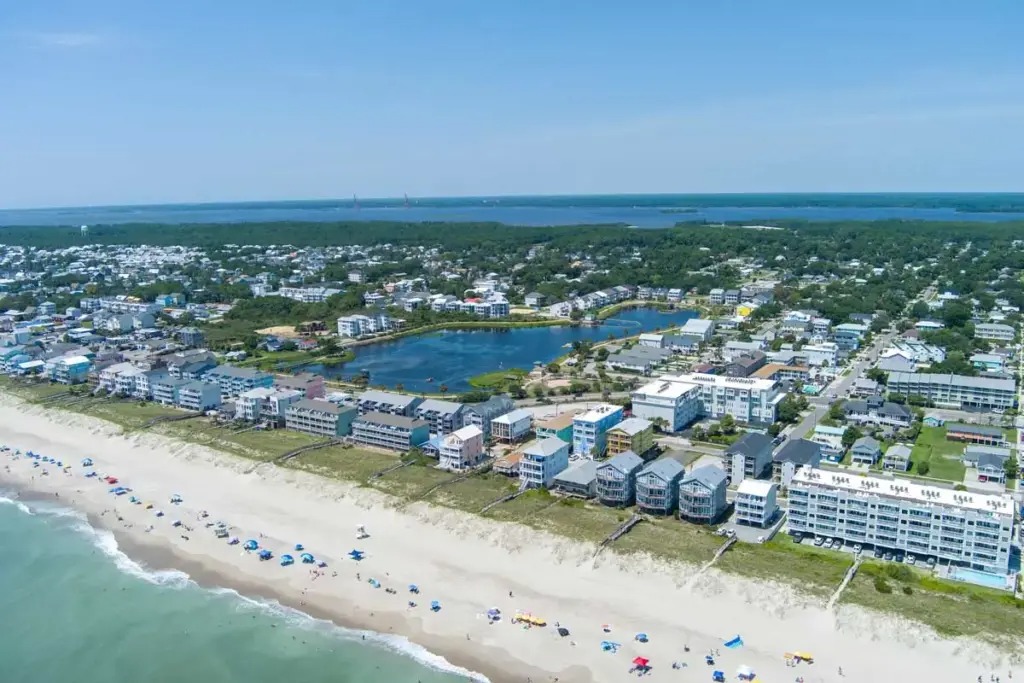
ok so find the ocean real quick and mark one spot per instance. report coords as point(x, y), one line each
point(73, 607)
point(643, 211)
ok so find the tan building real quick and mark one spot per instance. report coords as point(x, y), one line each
point(632, 434)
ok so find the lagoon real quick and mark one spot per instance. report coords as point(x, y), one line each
point(450, 358)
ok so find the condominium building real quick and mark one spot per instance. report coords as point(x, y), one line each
point(542, 461)
point(315, 416)
point(374, 401)
point(462, 449)
point(955, 391)
point(310, 385)
point(632, 434)
point(747, 399)
point(590, 429)
point(481, 414)
point(749, 456)
point(825, 354)
point(395, 432)
point(361, 325)
point(675, 402)
point(512, 427)
point(968, 529)
point(233, 380)
point(995, 331)
point(444, 416)
point(199, 396)
point(265, 404)
point(165, 390)
point(702, 494)
point(756, 502)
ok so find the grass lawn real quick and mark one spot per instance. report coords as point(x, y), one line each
point(349, 464)
point(473, 493)
point(128, 414)
point(951, 608)
point(31, 391)
point(256, 444)
point(584, 522)
point(497, 378)
point(412, 481)
point(670, 539)
point(942, 456)
point(524, 508)
point(814, 570)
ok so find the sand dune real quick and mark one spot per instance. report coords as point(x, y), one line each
point(469, 564)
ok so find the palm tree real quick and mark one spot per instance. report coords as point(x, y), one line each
point(443, 388)
point(399, 387)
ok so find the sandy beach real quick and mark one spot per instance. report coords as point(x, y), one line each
point(468, 564)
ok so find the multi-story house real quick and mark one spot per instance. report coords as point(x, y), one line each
point(265, 404)
point(865, 451)
point(756, 502)
point(749, 456)
point(71, 370)
point(444, 417)
point(166, 390)
point(716, 297)
point(374, 401)
point(394, 432)
point(542, 461)
point(512, 427)
point(702, 494)
point(616, 479)
point(559, 426)
point(145, 380)
point(632, 434)
point(481, 414)
point(657, 486)
point(796, 453)
point(897, 457)
point(988, 461)
point(877, 411)
point(955, 391)
point(994, 331)
point(108, 376)
point(590, 429)
point(191, 337)
point(361, 325)
point(967, 529)
point(310, 385)
point(676, 403)
point(234, 380)
point(823, 354)
point(977, 434)
point(323, 418)
point(198, 396)
point(461, 449)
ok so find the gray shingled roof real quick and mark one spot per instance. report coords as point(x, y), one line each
point(624, 462)
point(711, 476)
point(750, 444)
point(665, 468)
point(799, 452)
point(545, 447)
point(582, 474)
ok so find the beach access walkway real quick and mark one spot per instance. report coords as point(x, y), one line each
point(850, 573)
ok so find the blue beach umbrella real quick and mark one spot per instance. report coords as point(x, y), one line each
point(287, 560)
point(251, 544)
point(307, 558)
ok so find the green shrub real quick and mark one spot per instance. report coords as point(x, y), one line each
point(907, 590)
point(882, 586)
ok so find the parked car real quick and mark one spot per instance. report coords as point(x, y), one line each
point(857, 547)
point(931, 563)
point(798, 537)
point(829, 541)
point(879, 553)
point(819, 541)
point(900, 556)
point(911, 560)
point(889, 557)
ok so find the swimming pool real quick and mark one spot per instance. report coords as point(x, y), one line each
point(980, 578)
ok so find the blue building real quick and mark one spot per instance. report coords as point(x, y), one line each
point(71, 370)
point(590, 429)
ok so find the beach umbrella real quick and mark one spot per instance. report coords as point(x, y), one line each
point(298, 547)
point(251, 544)
point(87, 462)
point(641, 661)
point(642, 637)
point(435, 606)
point(265, 554)
point(494, 614)
point(356, 554)
point(287, 560)
point(563, 631)
point(307, 558)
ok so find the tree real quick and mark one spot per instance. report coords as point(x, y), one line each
point(399, 387)
point(601, 354)
point(880, 322)
point(575, 315)
point(923, 468)
point(789, 410)
point(835, 411)
point(538, 390)
point(660, 423)
point(1011, 468)
point(878, 375)
point(443, 389)
point(850, 435)
point(728, 424)
point(919, 310)
point(775, 428)
point(554, 368)
point(955, 314)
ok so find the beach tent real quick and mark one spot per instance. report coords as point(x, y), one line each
point(718, 676)
point(374, 582)
point(803, 657)
point(609, 646)
point(251, 544)
point(265, 554)
point(356, 554)
point(734, 643)
point(299, 548)
point(87, 462)
point(494, 614)
point(642, 637)
point(287, 560)
point(307, 558)
point(435, 606)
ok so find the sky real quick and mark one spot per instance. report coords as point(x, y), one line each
point(125, 102)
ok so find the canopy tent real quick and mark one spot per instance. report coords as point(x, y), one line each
point(251, 544)
point(307, 558)
point(87, 462)
point(287, 560)
point(734, 643)
point(641, 661)
point(356, 554)
point(745, 673)
point(718, 676)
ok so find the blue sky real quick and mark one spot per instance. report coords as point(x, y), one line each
point(134, 102)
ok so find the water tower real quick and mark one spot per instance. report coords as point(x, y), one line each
point(85, 230)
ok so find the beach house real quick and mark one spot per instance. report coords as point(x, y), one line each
point(462, 449)
point(830, 439)
point(319, 417)
point(559, 426)
point(579, 481)
point(865, 451)
point(590, 429)
point(165, 390)
point(988, 461)
point(877, 411)
point(702, 494)
point(968, 529)
point(265, 404)
point(394, 432)
point(749, 456)
point(234, 380)
point(632, 434)
point(311, 386)
point(675, 403)
point(481, 414)
point(981, 435)
point(71, 370)
point(542, 461)
point(756, 502)
point(616, 479)
point(199, 396)
point(444, 416)
point(794, 454)
point(897, 457)
point(512, 427)
point(657, 486)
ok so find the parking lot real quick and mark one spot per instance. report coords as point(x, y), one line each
point(878, 553)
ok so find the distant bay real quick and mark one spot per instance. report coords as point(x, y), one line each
point(643, 211)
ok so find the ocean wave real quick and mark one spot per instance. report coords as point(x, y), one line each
point(5, 500)
point(398, 644)
point(104, 541)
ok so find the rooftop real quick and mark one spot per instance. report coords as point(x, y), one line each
point(392, 420)
point(632, 425)
point(558, 422)
point(755, 487)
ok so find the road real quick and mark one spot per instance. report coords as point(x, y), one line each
point(840, 385)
